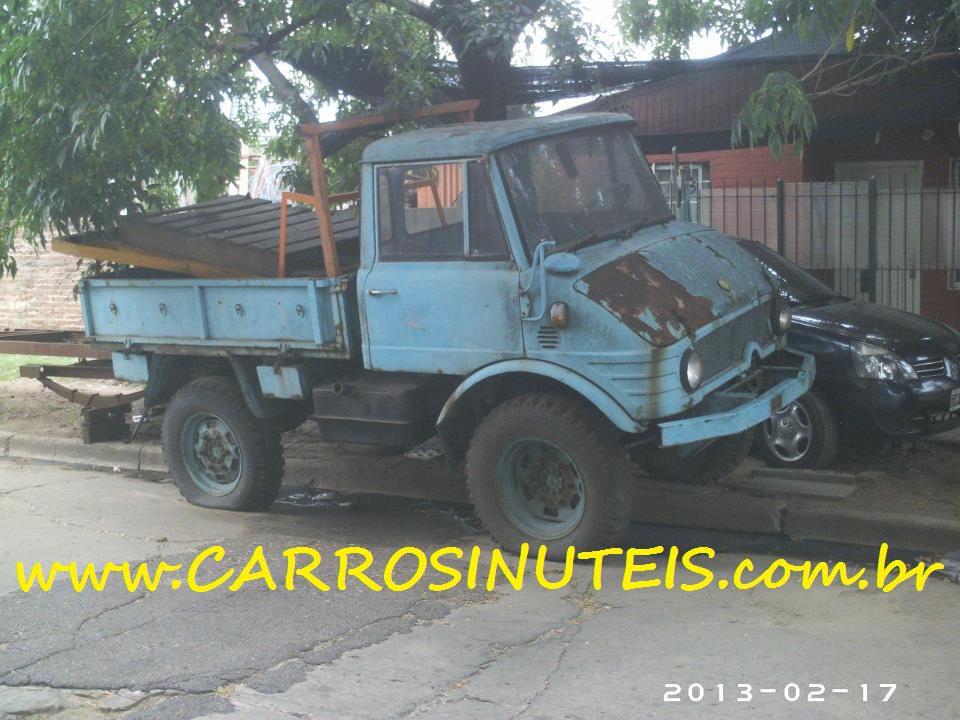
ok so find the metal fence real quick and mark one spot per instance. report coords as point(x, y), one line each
point(892, 244)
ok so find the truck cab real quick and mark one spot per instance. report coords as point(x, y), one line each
point(524, 293)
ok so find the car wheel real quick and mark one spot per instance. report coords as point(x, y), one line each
point(219, 454)
point(546, 469)
point(695, 464)
point(801, 435)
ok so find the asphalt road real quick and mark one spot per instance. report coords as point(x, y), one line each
point(577, 652)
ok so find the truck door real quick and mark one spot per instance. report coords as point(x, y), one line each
point(441, 293)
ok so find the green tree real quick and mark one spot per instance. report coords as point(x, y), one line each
point(110, 107)
point(865, 42)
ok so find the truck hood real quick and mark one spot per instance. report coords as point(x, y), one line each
point(667, 282)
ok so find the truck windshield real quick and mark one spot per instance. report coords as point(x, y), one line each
point(580, 188)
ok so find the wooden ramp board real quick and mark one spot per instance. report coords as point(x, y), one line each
point(49, 343)
point(232, 236)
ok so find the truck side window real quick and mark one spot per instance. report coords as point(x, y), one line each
point(420, 210)
point(486, 231)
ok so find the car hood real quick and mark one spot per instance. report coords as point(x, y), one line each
point(902, 332)
point(669, 281)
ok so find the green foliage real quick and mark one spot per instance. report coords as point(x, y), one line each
point(779, 113)
point(109, 107)
point(114, 107)
point(879, 37)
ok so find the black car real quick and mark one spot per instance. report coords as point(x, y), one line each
point(880, 371)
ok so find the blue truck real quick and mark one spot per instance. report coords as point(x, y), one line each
point(521, 291)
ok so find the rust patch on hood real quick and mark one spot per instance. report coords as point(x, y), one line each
point(646, 300)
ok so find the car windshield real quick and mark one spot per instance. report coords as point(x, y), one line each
point(797, 286)
point(580, 188)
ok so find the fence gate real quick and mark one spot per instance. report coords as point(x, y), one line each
point(884, 238)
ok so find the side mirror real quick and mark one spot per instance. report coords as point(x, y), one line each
point(561, 263)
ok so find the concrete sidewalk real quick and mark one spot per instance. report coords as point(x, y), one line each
point(865, 509)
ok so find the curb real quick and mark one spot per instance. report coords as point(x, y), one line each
point(721, 507)
point(947, 439)
point(72, 451)
point(858, 527)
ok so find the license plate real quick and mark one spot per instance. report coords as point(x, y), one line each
point(955, 400)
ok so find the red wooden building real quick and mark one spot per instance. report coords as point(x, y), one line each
point(904, 133)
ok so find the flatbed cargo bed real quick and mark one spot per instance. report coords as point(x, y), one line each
point(305, 317)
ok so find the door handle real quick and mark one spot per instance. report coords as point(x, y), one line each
point(380, 293)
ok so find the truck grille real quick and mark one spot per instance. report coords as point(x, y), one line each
point(723, 348)
point(930, 368)
point(548, 337)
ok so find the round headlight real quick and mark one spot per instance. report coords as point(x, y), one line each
point(784, 318)
point(691, 370)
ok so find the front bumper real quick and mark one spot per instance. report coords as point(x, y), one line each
point(901, 409)
point(736, 409)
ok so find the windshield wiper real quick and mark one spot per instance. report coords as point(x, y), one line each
point(622, 231)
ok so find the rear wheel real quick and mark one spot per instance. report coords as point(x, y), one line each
point(547, 469)
point(801, 435)
point(697, 463)
point(219, 454)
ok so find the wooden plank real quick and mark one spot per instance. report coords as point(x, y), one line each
point(236, 231)
point(197, 220)
point(131, 256)
point(305, 231)
point(168, 243)
point(318, 178)
point(462, 107)
point(225, 200)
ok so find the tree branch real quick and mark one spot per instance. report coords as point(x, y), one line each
point(285, 89)
point(424, 13)
point(862, 79)
point(265, 44)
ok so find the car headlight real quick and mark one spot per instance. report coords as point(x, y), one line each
point(878, 363)
point(691, 370)
point(782, 317)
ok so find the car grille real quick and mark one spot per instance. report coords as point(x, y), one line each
point(930, 368)
point(723, 348)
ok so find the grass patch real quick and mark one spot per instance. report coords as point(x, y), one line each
point(10, 364)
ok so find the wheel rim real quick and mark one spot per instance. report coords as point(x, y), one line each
point(212, 454)
point(540, 489)
point(789, 432)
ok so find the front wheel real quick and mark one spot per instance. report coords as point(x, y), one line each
point(801, 435)
point(546, 469)
point(697, 463)
point(219, 454)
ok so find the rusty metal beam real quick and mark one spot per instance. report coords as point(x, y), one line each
point(465, 108)
point(85, 371)
point(90, 401)
point(49, 343)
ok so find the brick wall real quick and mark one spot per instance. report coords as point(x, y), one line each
point(41, 295)
point(935, 144)
point(743, 166)
point(938, 301)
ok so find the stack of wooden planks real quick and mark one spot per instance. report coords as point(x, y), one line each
point(240, 237)
point(230, 237)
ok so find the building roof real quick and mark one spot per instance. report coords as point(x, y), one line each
point(476, 139)
point(778, 49)
point(784, 46)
